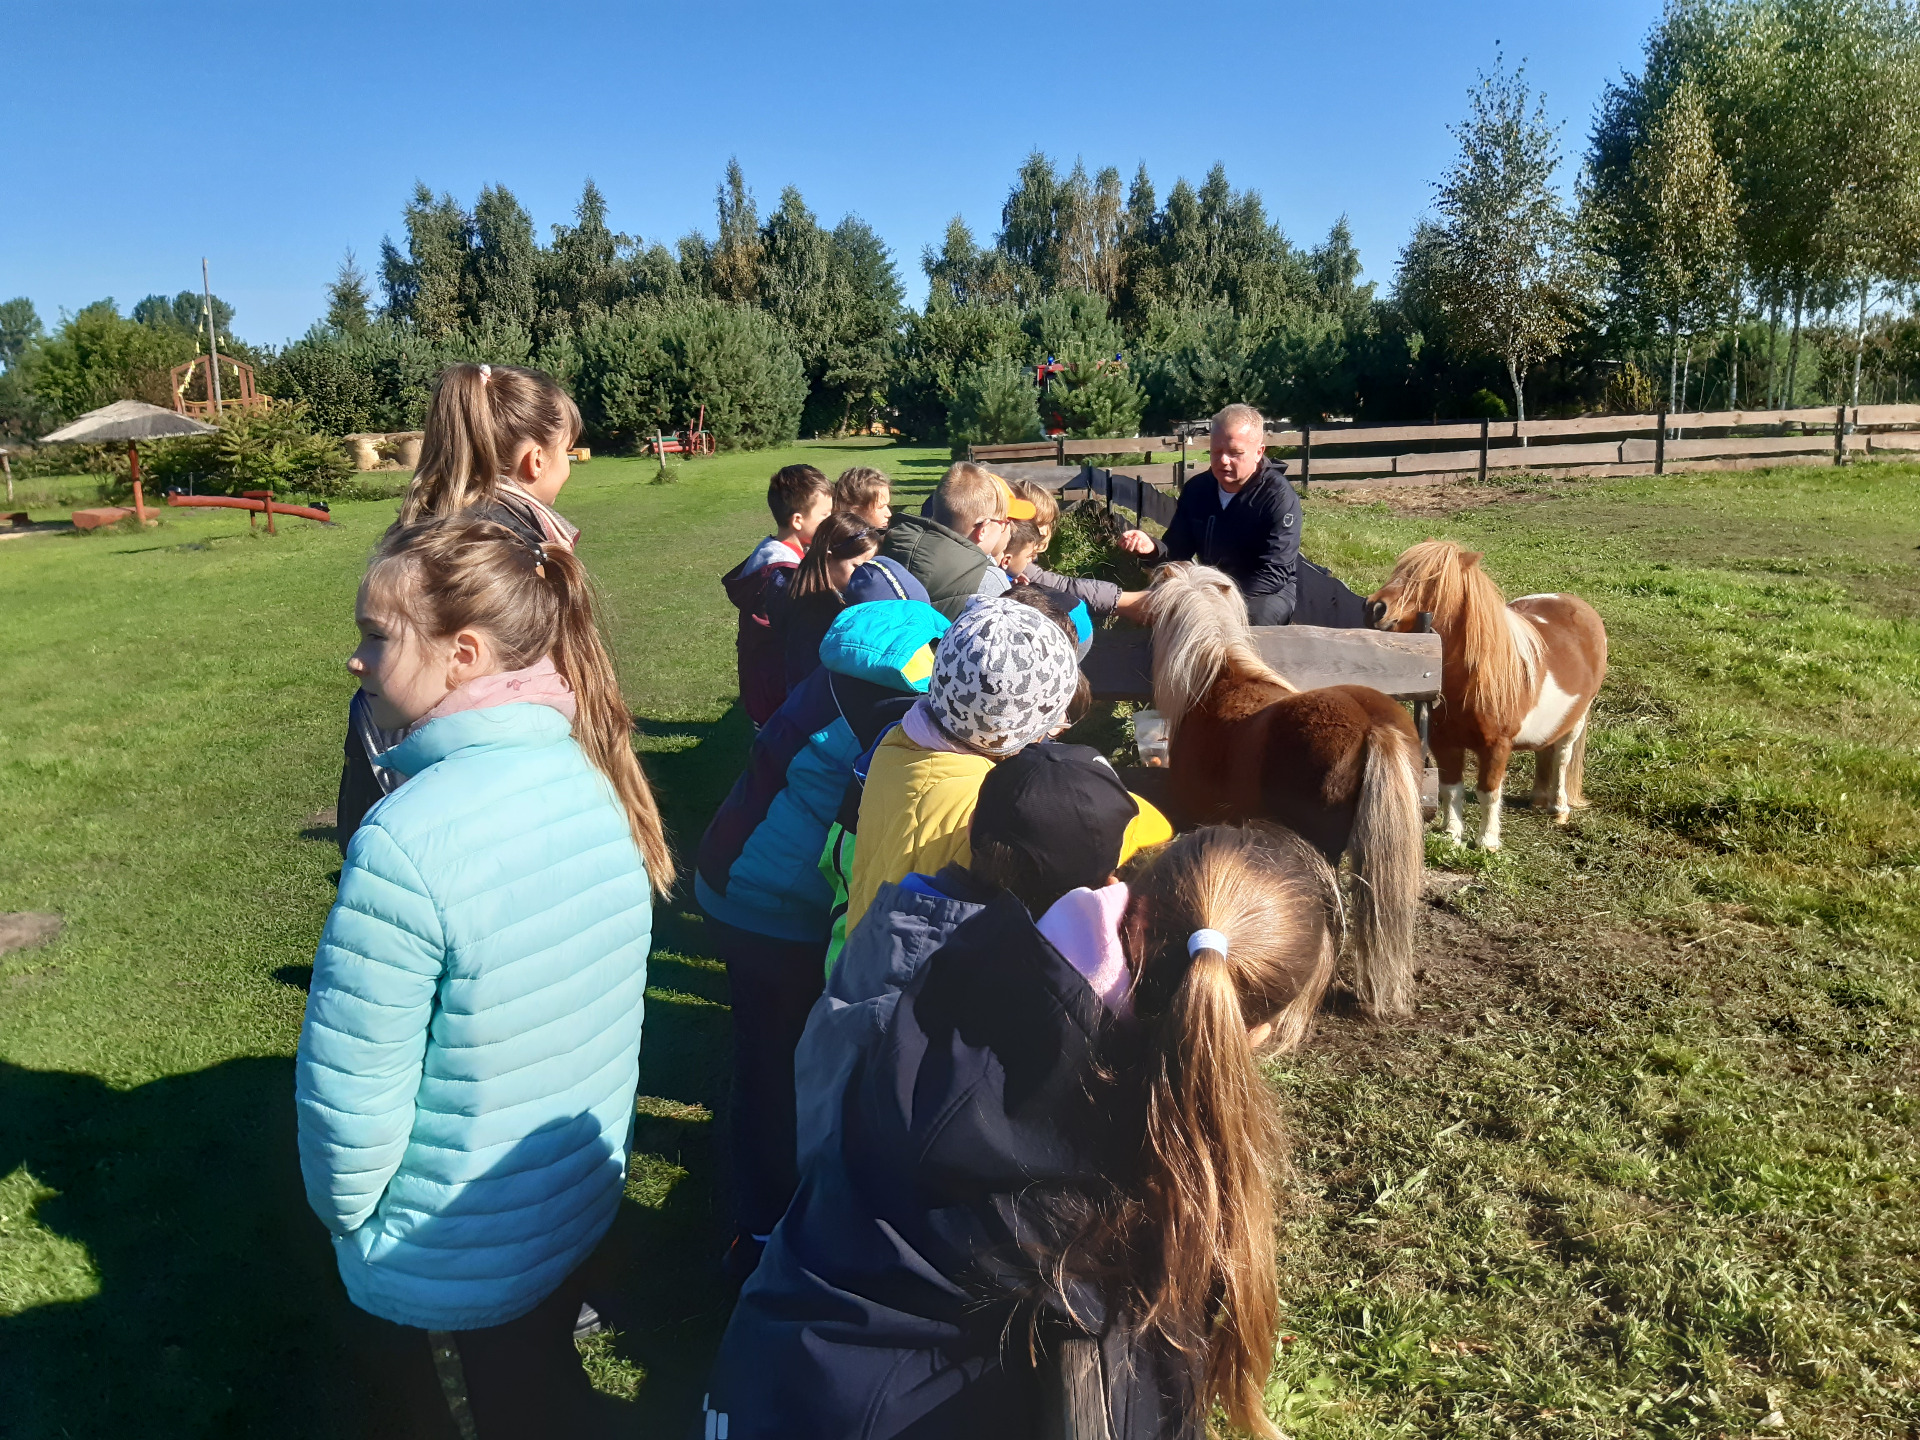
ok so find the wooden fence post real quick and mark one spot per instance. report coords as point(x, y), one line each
point(1060, 449)
point(1423, 709)
point(1486, 426)
point(1306, 456)
point(1660, 447)
point(1840, 436)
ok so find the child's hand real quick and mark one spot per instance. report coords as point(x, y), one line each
point(1138, 542)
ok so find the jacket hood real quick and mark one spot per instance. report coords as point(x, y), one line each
point(743, 582)
point(885, 642)
point(520, 726)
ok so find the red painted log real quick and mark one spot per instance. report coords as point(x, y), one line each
point(235, 502)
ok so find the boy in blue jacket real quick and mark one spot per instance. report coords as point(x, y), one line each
point(758, 880)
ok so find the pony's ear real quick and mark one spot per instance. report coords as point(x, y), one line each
point(1469, 559)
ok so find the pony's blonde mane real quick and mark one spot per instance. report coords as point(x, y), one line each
point(1200, 633)
point(1498, 657)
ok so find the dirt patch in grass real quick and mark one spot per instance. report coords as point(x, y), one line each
point(26, 929)
point(1442, 499)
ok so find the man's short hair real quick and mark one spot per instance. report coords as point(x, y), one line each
point(792, 489)
point(967, 494)
point(1240, 417)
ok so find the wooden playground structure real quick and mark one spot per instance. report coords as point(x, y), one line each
point(245, 396)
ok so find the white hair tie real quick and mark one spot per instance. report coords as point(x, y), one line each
point(1207, 940)
point(486, 373)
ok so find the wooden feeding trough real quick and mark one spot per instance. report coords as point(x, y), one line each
point(244, 395)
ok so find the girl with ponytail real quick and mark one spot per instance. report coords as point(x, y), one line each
point(1048, 1203)
point(495, 445)
point(467, 1069)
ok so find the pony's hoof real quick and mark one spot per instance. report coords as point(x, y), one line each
point(1490, 843)
point(1563, 816)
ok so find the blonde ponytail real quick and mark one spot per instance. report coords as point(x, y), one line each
point(1213, 1139)
point(457, 571)
point(478, 416)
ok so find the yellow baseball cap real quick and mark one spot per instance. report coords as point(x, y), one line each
point(1017, 509)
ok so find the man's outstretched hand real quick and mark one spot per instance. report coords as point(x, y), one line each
point(1138, 542)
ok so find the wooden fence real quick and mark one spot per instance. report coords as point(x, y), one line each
point(1380, 455)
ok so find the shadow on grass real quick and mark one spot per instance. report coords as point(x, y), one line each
point(218, 1310)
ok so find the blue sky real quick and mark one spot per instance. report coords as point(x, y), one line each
point(271, 136)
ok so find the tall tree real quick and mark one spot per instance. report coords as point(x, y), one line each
point(424, 285)
point(960, 272)
point(19, 330)
point(1505, 267)
point(502, 278)
point(1029, 226)
point(736, 253)
point(1091, 222)
point(1670, 228)
point(348, 297)
point(582, 273)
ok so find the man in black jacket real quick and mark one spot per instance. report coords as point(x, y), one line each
point(1241, 516)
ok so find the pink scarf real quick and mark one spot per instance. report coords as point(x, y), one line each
point(923, 730)
point(1084, 926)
point(541, 683)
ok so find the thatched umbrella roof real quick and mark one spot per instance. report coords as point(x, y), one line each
point(127, 420)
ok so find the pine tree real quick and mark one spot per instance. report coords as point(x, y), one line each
point(996, 405)
point(1029, 227)
point(348, 298)
point(582, 273)
point(502, 272)
point(424, 286)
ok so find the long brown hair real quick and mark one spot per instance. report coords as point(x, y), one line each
point(477, 417)
point(1213, 1140)
point(452, 572)
point(841, 535)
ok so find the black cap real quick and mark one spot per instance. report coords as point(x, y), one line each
point(1063, 807)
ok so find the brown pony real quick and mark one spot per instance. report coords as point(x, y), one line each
point(1513, 677)
point(1340, 766)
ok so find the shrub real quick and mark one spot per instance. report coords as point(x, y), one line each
point(642, 372)
point(997, 404)
point(272, 448)
point(1483, 404)
point(937, 350)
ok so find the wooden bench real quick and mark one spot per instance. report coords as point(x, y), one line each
point(1404, 666)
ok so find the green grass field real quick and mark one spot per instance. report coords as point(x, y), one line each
point(1646, 1164)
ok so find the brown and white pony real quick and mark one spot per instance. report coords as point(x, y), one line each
point(1513, 677)
point(1339, 766)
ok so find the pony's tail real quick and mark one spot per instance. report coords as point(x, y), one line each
point(1388, 851)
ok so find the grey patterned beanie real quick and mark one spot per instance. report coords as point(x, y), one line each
point(1003, 676)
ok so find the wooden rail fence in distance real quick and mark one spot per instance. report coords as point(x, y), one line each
point(1647, 445)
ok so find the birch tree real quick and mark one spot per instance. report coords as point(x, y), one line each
point(1508, 270)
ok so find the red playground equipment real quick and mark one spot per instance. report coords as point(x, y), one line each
point(696, 441)
point(254, 502)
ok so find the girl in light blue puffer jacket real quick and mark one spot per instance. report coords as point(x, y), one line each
point(467, 1069)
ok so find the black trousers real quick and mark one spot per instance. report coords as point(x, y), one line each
point(519, 1381)
point(773, 984)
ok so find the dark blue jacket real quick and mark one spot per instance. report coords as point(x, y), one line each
point(899, 1292)
point(1255, 538)
point(759, 860)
